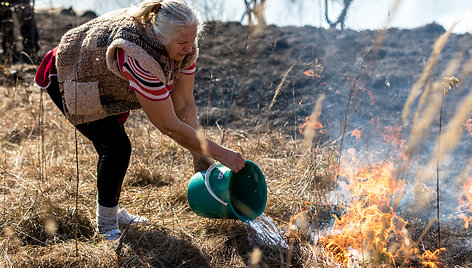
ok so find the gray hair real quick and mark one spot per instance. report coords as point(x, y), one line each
point(168, 16)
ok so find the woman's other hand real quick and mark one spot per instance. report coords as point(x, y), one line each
point(201, 162)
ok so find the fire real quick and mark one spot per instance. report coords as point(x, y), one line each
point(326, 84)
point(468, 125)
point(298, 223)
point(360, 85)
point(465, 203)
point(370, 225)
point(370, 229)
point(337, 253)
point(356, 133)
point(392, 135)
point(311, 73)
point(372, 98)
point(308, 123)
point(430, 259)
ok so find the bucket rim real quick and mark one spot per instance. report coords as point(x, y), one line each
point(264, 189)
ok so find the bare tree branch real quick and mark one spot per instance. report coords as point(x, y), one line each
point(342, 16)
point(255, 9)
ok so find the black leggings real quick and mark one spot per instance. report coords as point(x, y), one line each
point(112, 144)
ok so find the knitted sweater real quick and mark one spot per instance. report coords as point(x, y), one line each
point(91, 85)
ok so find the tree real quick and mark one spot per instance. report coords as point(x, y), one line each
point(255, 10)
point(342, 16)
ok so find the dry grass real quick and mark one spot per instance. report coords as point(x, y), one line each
point(38, 182)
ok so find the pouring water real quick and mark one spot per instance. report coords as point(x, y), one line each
point(267, 232)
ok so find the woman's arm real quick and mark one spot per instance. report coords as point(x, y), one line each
point(162, 115)
point(186, 111)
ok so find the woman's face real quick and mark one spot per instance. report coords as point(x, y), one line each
point(181, 44)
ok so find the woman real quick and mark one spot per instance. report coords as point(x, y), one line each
point(142, 57)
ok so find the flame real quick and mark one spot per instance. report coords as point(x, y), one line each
point(377, 121)
point(326, 84)
point(297, 223)
point(468, 125)
point(465, 203)
point(392, 135)
point(370, 225)
point(300, 102)
point(311, 73)
point(430, 259)
point(372, 98)
point(337, 253)
point(361, 87)
point(315, 125)
point(370, 228)
point(356, 133)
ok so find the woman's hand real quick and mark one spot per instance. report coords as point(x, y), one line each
point(233, 160)
point(201, 162)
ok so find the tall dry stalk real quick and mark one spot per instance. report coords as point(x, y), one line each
point(453, 131)
point(450, 82)
point(345, 124)
point(423, 119)
point(76, 227)
point(277, 90)
point(427, 73)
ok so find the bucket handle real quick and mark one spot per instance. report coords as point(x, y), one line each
point(207, 183)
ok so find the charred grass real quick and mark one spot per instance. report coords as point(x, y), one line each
point(45, 222)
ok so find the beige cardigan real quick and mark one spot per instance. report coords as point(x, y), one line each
point(90, 82)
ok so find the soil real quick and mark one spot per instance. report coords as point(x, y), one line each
point(243, 71)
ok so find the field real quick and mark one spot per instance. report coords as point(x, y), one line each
point(39, 180)
point(320, 111)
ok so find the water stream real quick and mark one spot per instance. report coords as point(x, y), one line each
point(267, 232)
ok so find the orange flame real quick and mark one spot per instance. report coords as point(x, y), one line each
point(356, 133)
point(392, 135)
point(360, 87)
point(370, 225)
point(465, 203)
point(431, 259)
point(336, 252)
point(372, 98)
point(315, 125)
point(311, 73)
point(297, 223)
point(326, 84)
point(468, 125)
point(370, 222)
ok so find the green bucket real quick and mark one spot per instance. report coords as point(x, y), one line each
point(219, 193)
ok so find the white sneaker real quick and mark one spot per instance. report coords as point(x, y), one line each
point(125, 218)
point(112, 234)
